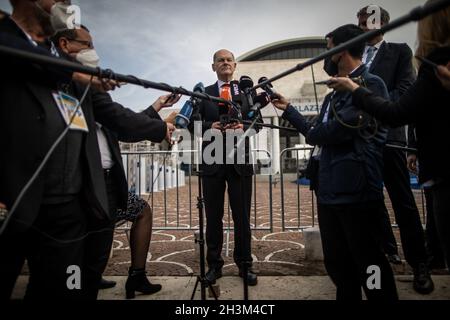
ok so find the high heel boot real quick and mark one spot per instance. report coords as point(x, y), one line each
point(137, 281)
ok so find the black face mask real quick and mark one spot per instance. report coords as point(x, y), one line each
point(330, 67)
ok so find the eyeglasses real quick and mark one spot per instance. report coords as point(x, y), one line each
point(89, 44)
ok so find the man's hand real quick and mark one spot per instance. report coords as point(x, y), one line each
point(412, 163)
point(234, 126)
point(165, 101)
point(217, 125)
point(343, 84)
point(280, 102)
point(443, 74)
point(102, 85)
point(170, 129)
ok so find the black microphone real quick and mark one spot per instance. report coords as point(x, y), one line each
point(261, 100)
point(267, 87)
point(235, 92)
point(182, 119)
point(246, 84)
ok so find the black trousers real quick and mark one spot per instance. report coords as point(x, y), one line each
point(350, 246)
point(441, 206)
point(100, 240)
point(397, 183)
point(433, 244)
point(52, 245)
point(240, 194)
point(63, 235)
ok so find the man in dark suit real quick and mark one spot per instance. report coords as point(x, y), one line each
point(216, 176)
point(53, 206)
point(114, 122)
point(346, 170)
point(68, 199)
point(392, 62)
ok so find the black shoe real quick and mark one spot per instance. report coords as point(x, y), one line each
point(394, 258)
point(137, 281)
point(252, 278)
point(106, 284)
point(422, 282)
point(213, 274)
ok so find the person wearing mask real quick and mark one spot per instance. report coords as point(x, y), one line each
point(77, 45)
point(346, 173)
point(49, 225)
point(415, 107)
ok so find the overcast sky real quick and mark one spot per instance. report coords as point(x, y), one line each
point(173, 41)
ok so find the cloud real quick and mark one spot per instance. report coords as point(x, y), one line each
point(173, 41)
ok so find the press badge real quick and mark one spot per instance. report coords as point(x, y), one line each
point(67, 106)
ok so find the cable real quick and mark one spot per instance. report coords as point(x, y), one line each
point(39, 170)
point(360, 126)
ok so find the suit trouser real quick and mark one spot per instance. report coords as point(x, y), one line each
point(433, 245)
point(51, 246)
point(397, 183)
point(441, 206)
point(350, 245)
point(100, 240)
point(239, 194)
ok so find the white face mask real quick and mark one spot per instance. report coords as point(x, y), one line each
point(88, 57)
point(62, 17)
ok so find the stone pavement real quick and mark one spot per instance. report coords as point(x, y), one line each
point(268, 288)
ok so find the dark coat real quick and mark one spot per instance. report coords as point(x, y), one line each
point(424, 105)
point(350, 163)
point(393, 64)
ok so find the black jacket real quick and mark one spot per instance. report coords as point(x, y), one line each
point(350, 163)
point(26, 105)
point(130, 135)
point(393, 64)
point(424, 105)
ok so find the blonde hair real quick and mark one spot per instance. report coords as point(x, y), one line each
point(433, 31)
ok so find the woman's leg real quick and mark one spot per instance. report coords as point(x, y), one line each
point(140, 236)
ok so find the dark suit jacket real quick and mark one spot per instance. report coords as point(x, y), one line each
point(393, 64)
point(208, 113)
point(423, 104)
point(350, 166)
point(26, 101)
point(131, 135)
point(26, 104)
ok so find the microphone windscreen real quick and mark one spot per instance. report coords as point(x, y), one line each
point(245, 83)
point(199, 87)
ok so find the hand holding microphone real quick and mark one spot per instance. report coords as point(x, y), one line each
point(166, 101)
point(343, 84)
point(280, 102)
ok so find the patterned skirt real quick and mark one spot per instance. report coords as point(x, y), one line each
point(134, 207)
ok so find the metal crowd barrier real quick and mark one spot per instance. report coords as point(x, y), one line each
point(153, 172)
point(283, 208)
point(298, 225)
